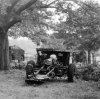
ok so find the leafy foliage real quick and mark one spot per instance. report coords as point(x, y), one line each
point(81, 25)
point(35, 19)
point(32, 16)
point(89, 72)
point(52, 42)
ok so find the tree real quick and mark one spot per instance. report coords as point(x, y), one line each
point(84, 22)
point(91, 45)
point(89, 27)
point(71, 41)
point(10, 14)
point(52, 42)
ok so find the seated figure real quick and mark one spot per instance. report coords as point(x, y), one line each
point(51, 61)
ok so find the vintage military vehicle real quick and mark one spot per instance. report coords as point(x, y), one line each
point(50, 64)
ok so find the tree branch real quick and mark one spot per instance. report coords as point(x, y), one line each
point(9, 9)
point(39, 7)
point(27, 5)
point(52, 2)
point(47, 6)
point(10, 24)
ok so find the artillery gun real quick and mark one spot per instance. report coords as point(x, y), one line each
point(43, 70)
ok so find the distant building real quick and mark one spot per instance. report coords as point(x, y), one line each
point(16, 53)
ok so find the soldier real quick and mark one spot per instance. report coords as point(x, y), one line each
point(42, 57)
point(52, 61)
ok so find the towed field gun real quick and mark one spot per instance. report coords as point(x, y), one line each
point(50, 64)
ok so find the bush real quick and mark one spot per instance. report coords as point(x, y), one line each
point(89, 72)
point(16, 65)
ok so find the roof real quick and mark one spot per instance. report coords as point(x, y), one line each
point(51, 49)
point(16, 47)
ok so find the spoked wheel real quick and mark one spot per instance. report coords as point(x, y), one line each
point(52, 75)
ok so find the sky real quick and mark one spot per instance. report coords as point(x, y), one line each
point(24, 43)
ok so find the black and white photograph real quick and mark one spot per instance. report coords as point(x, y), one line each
point(49, 49)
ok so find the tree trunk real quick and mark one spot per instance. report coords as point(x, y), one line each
point(89, 57)
point(93, 57)
point(4, 50)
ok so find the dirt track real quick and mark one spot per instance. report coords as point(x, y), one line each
point(12, 86)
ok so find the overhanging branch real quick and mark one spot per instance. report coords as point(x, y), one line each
point(52, 2)
point(9, 9)
point(39, 7)
point(27, 5)
point(48, 5)
point(10, 24)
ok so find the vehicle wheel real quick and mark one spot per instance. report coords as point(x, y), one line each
point(32, 63)
point(29, 70)
point(52, 75)
point(71, 72)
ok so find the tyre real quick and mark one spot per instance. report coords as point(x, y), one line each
point(71, 72)
point(31, 62)
point(30, 68)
